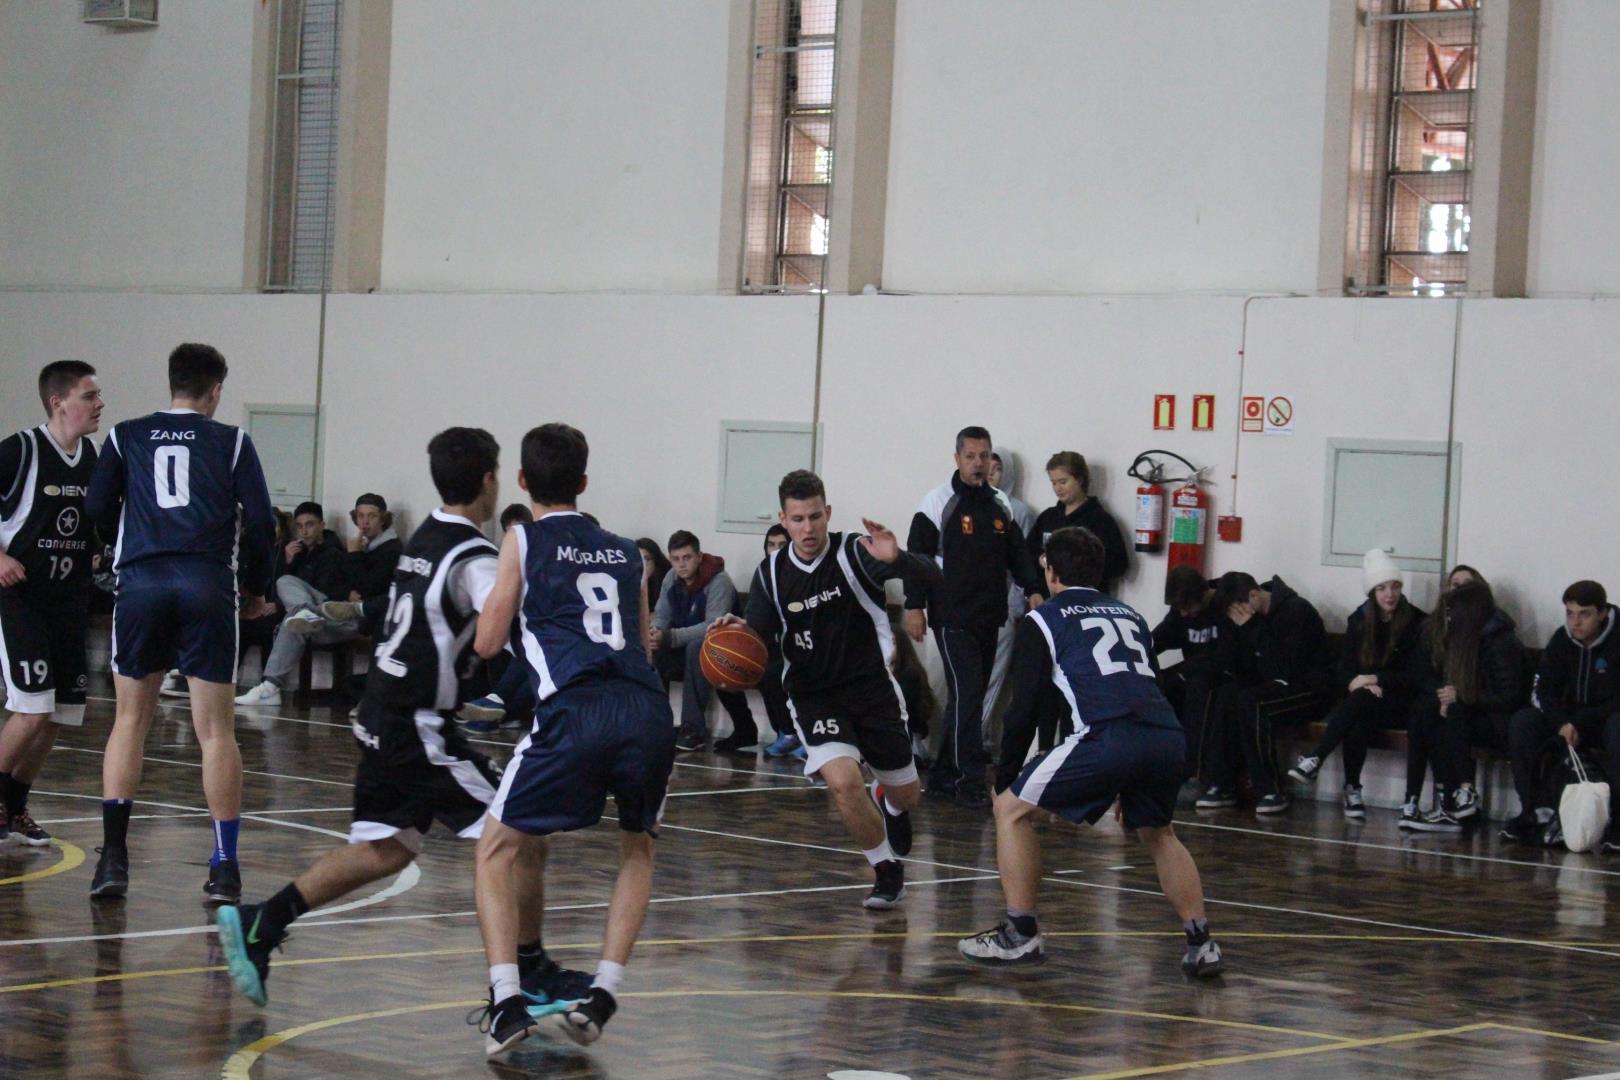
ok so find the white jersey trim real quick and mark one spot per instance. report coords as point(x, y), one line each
point(1059, 678)
point(532, 650)
point(25, 502)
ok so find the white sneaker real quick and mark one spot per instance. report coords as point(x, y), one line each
point(266, 693)
point(304, 623)
point(174, 685)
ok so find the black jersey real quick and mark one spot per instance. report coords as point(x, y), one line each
point(830, 614)
point(43, 524)
point(426, 655)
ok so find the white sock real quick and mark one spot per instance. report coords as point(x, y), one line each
point(881, 853)
point(503, 981)
point(608, 975)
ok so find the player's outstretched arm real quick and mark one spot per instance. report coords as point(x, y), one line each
point(495, 619)
point(882, 547)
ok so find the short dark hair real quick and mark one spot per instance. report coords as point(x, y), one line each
point(59, 377)
point(554, 458)
point(312, 508)
point(1586, 593)
point(1234, 587)
point(1076, 556)
point(800, 484)
point(775, 530)
point(515, 512)
point(1074, 464)
point(459, 458)
point(680, 538)
point(1184, 587)
point(972, 431)
point(195, 369)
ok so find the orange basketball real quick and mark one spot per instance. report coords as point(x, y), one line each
point(733, 657)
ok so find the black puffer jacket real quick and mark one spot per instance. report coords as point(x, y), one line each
point(1501, 667)
point(1394, 671)
point(1580, 683)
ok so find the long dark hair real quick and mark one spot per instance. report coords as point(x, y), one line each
point(1399, 620)
point(1454, 636)
point(660, 566)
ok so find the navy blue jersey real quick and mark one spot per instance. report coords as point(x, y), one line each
point(178, 483)
point(581, 606)
point(1102, 659)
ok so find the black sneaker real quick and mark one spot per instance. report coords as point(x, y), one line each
point(1216, 797)
point(889, 888)
point(25, 829)
point(1203, 960)
point(896, 826)
point(1440, 819)
point(112, 874)
point(1003, 945)
point(1305, 769)
point(1523, 830)
point(224, 885)
point(505, 1023)
point(247, 943)
point(584, 1020)
point(686, 744)
point(1553, 835)
point(548, 987)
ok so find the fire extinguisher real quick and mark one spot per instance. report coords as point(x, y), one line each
point(1189, 526)
point(1150, 513)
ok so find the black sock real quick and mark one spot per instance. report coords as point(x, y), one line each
point(532, 957)
point(284, 907)
point(1197, 931)
point(115, 822)
point(15, 793)
point(1024, 924)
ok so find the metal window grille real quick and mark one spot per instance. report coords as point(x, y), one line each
point(303, 146)
point(1416, 147)
point(790, 146)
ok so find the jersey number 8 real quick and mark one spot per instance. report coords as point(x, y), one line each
point(601, 595)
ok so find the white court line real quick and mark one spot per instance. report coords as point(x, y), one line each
point(733, 791)
point(204, 813)
point(198, 765)
point(1398, 848)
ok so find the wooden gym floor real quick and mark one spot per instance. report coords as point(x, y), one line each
point(1352, 950)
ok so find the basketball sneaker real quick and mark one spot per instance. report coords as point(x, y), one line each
point(1203, 958)
point(733, 744)
point(889, 888)
point(1355, 808)
point(1216, 797)
point(266, 693)
point(505, 1023)
point(784, 745)
point(1003, 945)
point(25, 830)
point(224, 885)
point(584, 1020)
point(247, 951)
point(549, 987)
point(112, 874)
point(896, 826)
point(1305, 769)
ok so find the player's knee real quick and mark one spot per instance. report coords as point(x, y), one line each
point(1009, 807)
point(906, 797)
point(392, 853)
point(1157, 838)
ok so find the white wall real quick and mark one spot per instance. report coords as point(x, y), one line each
point(556, 146)
point(1574, 231)
point(1057, 146)
point(123, 155)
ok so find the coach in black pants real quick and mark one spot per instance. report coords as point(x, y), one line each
point(967, 526)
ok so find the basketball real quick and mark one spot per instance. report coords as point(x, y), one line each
point(733, 657)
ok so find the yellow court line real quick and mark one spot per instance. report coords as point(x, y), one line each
point(1550, 1034)
point(72, 857)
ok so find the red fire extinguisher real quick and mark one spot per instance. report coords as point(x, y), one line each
point(1189, 526)
point(1150, 514)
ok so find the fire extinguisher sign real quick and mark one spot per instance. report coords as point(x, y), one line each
point(1164, 412)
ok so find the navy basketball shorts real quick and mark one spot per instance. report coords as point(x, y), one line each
point(865, 720)
point(1138, 764)
point(176, 613)
point(417, 768)
point(42, 651)
point(590, 741)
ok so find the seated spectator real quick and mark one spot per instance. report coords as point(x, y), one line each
point(261, 631)
point(364, 572)
point(1281, 670)
point(511, 699)
point(1196, 625)
point(1381, 638)
point(1575, 702)
point(697, 592)
point(1469, 679)
point(786, 743)
point(653, 556)
point(1071, 483)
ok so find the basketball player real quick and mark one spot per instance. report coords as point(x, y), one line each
point(824, 595)
point(602, 725)
point(46, 544)
point(175, 484)
point(415, 765)
point(1127, 751)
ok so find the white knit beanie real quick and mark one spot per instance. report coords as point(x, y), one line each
point(1376, 568)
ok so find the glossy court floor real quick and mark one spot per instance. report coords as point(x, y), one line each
point(1352, 951)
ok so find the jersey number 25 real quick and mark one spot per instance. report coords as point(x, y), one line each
point(1113, 630)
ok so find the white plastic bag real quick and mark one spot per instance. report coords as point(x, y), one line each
point(1583, 810)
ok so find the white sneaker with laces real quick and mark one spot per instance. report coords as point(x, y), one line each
point(1305, 769)
point(304, 623)
point(1464, 803)
point(266, 693)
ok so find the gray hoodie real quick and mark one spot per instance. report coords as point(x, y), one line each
point(1009, 484)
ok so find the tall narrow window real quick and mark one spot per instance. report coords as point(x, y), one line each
point(790, 141)
point(1421, 60)
point(303, 146)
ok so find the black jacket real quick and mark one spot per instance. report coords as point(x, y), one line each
point(321, 566)
point(1288, 644)
point(1091, 515)
point(972, 534)
point(1580, 683)
point(1395, 671)
point(371, 571)
point(1501, 667)
point(1205, 640)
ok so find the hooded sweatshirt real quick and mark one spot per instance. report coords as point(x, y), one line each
point(1288, 643)
point(1092, 515)
point(687, 610)
point(1578, 683)
point(321, 566)
point(1501, 666)
point(1021, 510)
point(1395, 671)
